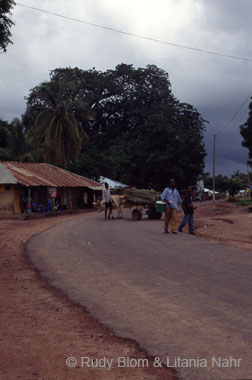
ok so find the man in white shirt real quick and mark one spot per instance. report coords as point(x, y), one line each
point(107, 200)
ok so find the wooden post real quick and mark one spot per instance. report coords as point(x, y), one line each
point(29, 207)
point(214, 142)
point(53, 205)
point(248, 163)
point(70, 200)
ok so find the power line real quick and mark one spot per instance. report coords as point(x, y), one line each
point(136, 35)
point(235, 114)
point(225, 151)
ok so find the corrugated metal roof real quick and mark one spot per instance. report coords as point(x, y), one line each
point(6, 177)
point(42, 174)
point(111, 182)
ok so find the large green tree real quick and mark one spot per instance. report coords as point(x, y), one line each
point(5, 23)
point(139, 133)
point(52, 122)
point(246, 131)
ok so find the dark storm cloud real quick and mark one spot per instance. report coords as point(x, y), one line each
point(216, 86)
point(228, 25)
point(230, 155)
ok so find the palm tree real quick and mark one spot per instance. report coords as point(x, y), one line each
point(56, 129)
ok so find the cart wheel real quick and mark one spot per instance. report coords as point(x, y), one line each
point(155, 215)
point(136, 214)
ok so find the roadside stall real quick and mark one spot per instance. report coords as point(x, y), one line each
point(31, 188)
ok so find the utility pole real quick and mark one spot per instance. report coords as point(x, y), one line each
point(248, 165)
point(214, 170)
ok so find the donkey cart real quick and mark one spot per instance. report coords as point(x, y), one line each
point(143, 202)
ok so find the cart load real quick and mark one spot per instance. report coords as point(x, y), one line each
point(142, 201)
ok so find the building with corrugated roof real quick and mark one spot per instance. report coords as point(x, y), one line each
point(41, 187)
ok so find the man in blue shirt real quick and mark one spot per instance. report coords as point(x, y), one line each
point(171, 196)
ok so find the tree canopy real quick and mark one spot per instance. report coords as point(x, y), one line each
point(13, 144)
point(138, 132)
point(246, 131)
point(5, 23)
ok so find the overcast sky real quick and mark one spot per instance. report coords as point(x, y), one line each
point(215, 85)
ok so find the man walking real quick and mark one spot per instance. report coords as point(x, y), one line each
point(171, 196)
point(107, 200)
point(188, 211)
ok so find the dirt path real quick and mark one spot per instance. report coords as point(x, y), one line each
point(40, 327)
point(226, 224)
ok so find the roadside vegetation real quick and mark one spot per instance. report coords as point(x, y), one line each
point(245, 202)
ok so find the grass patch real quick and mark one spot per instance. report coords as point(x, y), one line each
point(247, 202)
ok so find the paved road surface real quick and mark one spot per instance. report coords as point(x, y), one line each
point(177, 295)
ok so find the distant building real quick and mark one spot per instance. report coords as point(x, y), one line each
point(112, 184)
point(200, 184)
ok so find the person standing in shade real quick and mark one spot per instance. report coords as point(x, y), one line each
point(107, 200)
point(171, 196)
point(188, 211)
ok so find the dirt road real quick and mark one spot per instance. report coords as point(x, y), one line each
point(40, 327)
point(179, 296)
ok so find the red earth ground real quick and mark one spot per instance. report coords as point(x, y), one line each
point(41, 328)
point(226, 224)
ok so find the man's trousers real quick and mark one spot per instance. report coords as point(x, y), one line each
point(187, 218)
point(170, 218)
